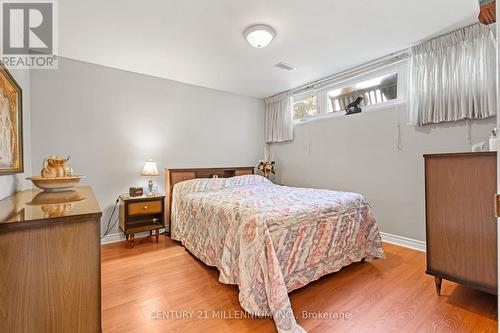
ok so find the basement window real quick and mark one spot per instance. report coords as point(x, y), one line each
point(374, 91)
point(305, 107)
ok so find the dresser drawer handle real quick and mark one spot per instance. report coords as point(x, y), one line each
point(145, 207)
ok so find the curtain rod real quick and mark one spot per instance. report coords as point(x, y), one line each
point(365, 68)
point(353, 72)
point(442, 34)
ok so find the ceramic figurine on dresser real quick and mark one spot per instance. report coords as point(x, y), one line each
point(56, 175)
point(56, 167)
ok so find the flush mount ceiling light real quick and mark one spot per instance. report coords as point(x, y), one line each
point(259, 35)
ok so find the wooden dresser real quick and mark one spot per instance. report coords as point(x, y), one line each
point(460, 219)
point(50, 277)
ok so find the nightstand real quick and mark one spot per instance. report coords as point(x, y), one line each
point(141, 214)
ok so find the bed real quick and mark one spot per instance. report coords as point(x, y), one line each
point(270, 239)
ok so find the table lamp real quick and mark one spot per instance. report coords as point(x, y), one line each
point(150, 170)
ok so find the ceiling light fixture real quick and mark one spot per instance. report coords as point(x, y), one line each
point(259, 35)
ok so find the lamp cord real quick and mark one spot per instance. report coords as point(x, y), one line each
point(108, 227)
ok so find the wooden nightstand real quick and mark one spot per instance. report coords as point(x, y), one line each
point(140, 214)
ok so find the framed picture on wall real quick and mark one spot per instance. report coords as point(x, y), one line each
point(11, 124)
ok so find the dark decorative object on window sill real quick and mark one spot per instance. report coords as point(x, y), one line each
point(354, 106)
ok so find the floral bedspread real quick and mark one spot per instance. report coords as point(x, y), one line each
point(270, 239)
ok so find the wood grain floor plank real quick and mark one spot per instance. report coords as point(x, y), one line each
point(142, 285)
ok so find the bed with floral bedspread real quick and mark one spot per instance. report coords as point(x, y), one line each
point(270, 239)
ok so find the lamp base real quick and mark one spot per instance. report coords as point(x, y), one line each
point(150, 187)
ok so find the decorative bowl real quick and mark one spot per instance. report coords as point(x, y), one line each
point(55, 184)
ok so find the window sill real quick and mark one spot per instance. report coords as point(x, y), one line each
point(341, 114)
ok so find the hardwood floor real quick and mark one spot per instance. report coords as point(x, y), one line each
point(141, 287)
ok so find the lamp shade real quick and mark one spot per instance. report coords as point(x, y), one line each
point(150, 169)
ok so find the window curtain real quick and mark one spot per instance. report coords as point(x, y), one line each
point(453, 77)
point(278, 118)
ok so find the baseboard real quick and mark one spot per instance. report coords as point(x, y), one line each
point(112, 238)
point(403, 241)
point(388, 238)
point(118, 237)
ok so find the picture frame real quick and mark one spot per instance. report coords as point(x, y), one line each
point(11, 124)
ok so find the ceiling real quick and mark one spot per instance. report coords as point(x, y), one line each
point(201, 41)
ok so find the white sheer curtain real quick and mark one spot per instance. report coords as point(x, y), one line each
point(453, 77)
point(278, 119)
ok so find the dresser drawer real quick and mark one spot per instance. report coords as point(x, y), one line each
point(145, 207)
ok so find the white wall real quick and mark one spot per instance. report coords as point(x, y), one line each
point(110, 121)
point(13, 183)
point(358, 153)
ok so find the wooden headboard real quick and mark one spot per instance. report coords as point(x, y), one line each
point(174, 176)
